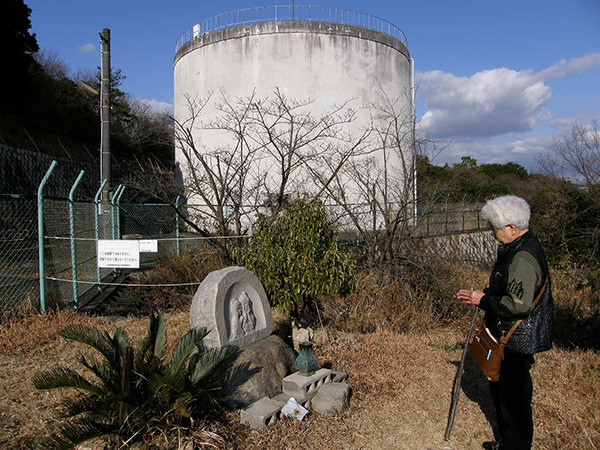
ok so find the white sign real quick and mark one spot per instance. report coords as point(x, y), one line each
point(147, 245)
point(118, 254)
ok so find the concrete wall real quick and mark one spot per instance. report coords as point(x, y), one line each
point(477, 248)
point(329, 63)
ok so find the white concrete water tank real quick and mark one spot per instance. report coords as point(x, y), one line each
point(331, 56)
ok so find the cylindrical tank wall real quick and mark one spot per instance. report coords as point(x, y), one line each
point(329, 64)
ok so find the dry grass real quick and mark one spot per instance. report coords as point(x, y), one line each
point(401, 375)
point(416, 302)
point(32, 345)
point(401, 393)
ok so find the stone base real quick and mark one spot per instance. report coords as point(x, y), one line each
point(256, 372)
point(332, 399)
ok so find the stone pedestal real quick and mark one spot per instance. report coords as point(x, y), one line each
point(256, 372)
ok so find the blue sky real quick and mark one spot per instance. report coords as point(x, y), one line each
point(497, 81)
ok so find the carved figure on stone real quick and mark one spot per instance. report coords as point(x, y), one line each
point(233, 304)
point(242, 318)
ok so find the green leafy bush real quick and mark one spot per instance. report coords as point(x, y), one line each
point(161, 397)
point(296, 256)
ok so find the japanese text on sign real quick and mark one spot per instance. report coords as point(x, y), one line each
point(118, 254)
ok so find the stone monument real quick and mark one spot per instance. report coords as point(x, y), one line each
point(232, 303)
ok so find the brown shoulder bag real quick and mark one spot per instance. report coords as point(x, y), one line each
point(488, 352)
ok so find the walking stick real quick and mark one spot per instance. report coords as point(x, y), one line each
point(458, 377)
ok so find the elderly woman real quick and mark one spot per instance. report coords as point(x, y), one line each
point(520, 275)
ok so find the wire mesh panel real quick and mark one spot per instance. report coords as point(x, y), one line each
point(84, 241)
point(149, 221)
point(19, 281)
point(70, 248)
point(57, 251)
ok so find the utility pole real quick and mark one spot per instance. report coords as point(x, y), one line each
point(105, 115)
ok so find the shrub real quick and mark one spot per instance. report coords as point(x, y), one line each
point(296, 256)
point(565, 218)
point(161, 397)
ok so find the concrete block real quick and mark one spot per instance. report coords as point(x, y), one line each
point(261, 413)
point(301, 387)
point(339, 377)
point(305, 402)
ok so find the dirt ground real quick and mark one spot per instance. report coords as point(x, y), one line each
point(401, 394)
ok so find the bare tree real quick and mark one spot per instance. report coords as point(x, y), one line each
point(52, 63)
point(293, 140)
point(256, 152)
point(376, 189)
point(237, 155)
point(217, 177)
point(577, 155)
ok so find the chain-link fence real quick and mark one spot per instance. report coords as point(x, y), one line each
point(74, 222)
point(72, 232)
point(18, 251)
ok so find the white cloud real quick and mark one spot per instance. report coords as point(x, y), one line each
point(492, 102)
point(489, 103)
point(157, 106)
point(88, 48)
point(567, 66)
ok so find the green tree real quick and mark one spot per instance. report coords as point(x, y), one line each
point(467, 162)
point(497, 170)
point(567, 219)
point(18, 46)
point(466, 181)
point(297, 257)
point(163, 396)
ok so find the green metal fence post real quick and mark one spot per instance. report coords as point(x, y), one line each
point(177, 224)
point(41, 237)
point(118, 210)
point(114, 213)
point(72, 223)
point(97, 222)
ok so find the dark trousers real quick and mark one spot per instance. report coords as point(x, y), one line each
point(512, 397)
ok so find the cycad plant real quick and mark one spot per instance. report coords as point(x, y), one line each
point(133, 394)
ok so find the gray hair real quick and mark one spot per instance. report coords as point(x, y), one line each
point(507, 210)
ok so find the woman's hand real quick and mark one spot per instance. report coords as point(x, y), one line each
point(470, 297)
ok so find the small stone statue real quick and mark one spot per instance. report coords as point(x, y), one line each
point(242, 318)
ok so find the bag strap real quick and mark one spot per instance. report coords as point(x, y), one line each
point(504, 339)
